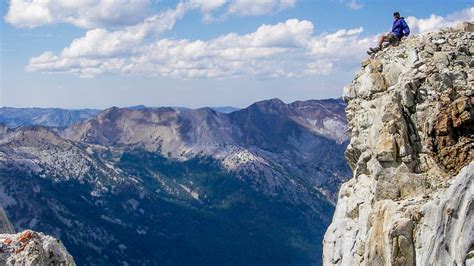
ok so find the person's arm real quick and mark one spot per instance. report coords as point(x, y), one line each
point(406, 29)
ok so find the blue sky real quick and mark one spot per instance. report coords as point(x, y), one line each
point(193, 53)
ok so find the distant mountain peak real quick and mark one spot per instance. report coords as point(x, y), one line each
point(273, 102)
point(138, 107)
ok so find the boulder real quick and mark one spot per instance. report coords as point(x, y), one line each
point(31, 248)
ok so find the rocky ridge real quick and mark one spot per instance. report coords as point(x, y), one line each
point(249, 140)
point(411, 125)
point(32, 248)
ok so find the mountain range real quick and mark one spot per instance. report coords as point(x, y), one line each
point(167, 185)
point(59, 117)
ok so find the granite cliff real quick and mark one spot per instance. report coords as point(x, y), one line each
point(411, 124)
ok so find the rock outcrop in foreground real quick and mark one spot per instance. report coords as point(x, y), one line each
point(411, 124)
point(32, 248)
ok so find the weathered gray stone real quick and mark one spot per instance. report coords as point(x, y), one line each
point(441, 58)
point(408, 97)
point(410, 199)
point(418, 64)
point(468, 26)
point(430, 49)
point(439, 41)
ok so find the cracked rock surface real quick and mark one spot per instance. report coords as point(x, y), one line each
point(411, 124)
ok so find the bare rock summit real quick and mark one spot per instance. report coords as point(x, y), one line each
point(411, 124)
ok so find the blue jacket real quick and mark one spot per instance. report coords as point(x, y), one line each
point(400, 28)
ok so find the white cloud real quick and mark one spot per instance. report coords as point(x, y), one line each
point(207, 5)
point(435, 22)
point(81, 13)
point(287, 49)
point(262, 54)
point(342, 43)
point(119, 13)
point(102, 43)
point(28, 13)
point(320, 67)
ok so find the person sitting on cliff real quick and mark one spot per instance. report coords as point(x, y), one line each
point(400, 29)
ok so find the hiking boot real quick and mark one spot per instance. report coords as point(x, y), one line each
point(374, 50)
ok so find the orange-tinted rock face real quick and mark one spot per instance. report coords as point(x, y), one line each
point(453, 135)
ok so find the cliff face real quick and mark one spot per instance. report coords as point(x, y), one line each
point(411, 125)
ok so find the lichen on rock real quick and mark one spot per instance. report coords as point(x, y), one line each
point(32, 248)
point(411, 124)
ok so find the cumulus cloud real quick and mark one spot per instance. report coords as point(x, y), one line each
point(286, 49)
point(207, 5)
point(118, 13)
point(434, 22)
point(102, 43)
point(342, 43)
point(83, 13)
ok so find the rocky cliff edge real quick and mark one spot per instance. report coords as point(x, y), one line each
point(411, 125)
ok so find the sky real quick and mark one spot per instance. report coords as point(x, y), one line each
point(194, 53)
